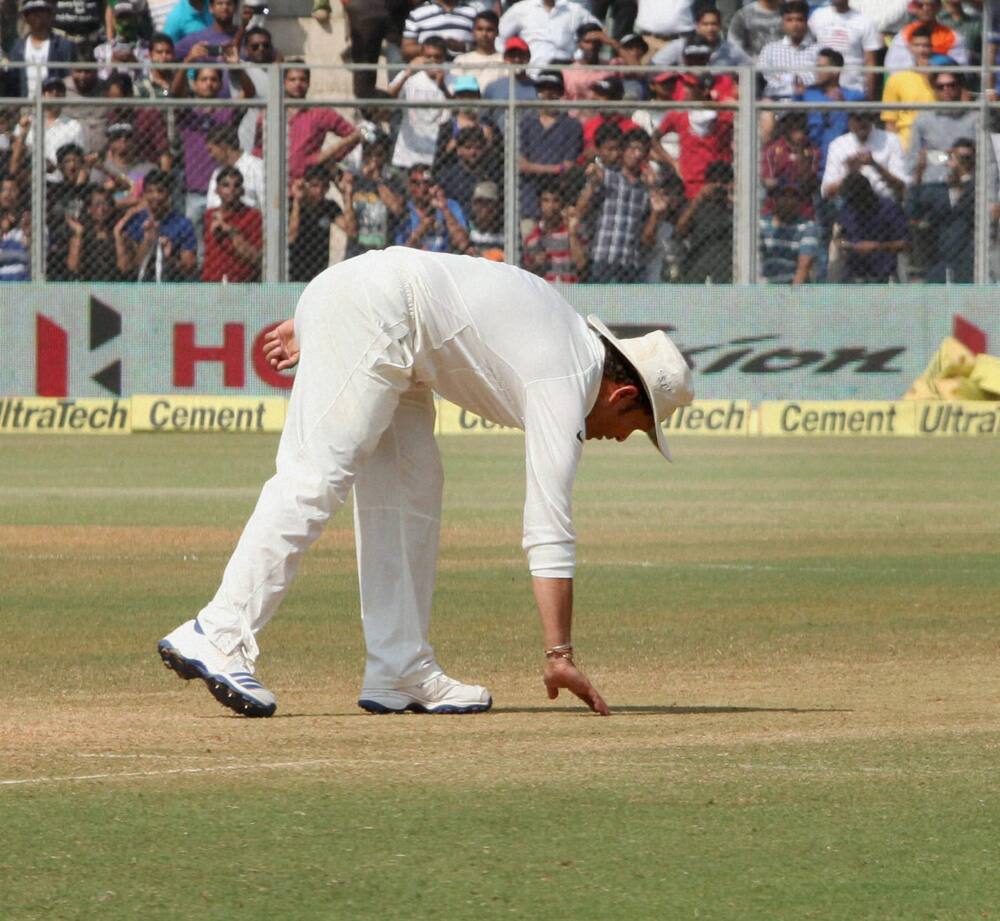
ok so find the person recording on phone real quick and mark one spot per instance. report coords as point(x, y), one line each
point(223, 31)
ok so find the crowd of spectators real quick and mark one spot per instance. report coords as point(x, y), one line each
point(602, 194)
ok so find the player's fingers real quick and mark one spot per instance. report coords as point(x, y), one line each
point(597, 703)
point(552, 690)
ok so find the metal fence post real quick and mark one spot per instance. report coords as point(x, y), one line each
point(511, 209)
point(39, 226)
point(984, 159)
point(745, 171)
point(275, 147)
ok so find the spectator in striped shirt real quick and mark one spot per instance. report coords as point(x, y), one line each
point(555, 249)
point(626, 219)
point(15, 233)
point(788, 242)
point(444, 19)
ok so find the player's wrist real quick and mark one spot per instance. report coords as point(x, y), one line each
point(559, 652)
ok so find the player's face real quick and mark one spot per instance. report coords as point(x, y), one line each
point(617, 413)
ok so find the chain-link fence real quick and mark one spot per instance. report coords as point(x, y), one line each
point(231, 173)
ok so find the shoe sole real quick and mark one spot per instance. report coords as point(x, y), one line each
point(224, 693)
point(373, 706)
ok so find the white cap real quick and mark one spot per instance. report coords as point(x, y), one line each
point(664, 372)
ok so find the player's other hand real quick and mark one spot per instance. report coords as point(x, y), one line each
point(281, 348)
point(562, 673)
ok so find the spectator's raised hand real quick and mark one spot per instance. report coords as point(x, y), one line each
point(658, 201)
point(166, 246)
point(230, 53)
point(345, 182)
point(24, 123)
point(594, 173)
point(572, 218)
point(198, 52)
point(298, 190)
point(126, 217)
point(439, 199)
point(75, 227)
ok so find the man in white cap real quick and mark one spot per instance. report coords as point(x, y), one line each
point(378, 335)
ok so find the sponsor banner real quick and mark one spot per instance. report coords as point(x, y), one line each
point(207, 414)
point(962, 419)
point(848, 417)
point(751, 343)
point(712, 417)
point(65, 417)
point(453, 420)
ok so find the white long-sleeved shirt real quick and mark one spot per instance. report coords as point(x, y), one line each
point(501, 342)
point(550, 33)
point(886, 150)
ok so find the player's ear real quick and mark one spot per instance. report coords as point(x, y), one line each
point(623, 395)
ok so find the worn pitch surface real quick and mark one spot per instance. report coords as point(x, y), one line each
point(798, 638)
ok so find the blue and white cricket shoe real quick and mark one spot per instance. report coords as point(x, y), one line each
point(191, 654)
point(438, 694)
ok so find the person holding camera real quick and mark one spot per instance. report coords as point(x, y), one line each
point(433, 222)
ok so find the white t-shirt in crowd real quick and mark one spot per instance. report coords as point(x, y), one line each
point(159, 10)
point(36, 54)
point(852, 34)
point(888, 15)
point(664, 17)
point(418, 131)
point(504, 344)
point(549, 33)
point(886, 150)
point(64, 130)
point(484, 74)
point(252, 170)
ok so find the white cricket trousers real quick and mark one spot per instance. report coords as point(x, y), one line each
point(355, 418)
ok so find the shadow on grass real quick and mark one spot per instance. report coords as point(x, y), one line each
point(624, 710)
point(672, 710)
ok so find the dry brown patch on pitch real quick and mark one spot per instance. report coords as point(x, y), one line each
point(680, 723)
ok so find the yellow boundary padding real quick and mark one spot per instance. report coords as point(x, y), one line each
point(243, 414)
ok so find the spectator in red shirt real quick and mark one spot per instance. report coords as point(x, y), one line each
point(613, 90)
point(791, 161)
point(705, 135)
point(233, 234)
point(307, 129)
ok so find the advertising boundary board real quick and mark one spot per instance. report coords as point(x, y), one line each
point(149, 414)
point(753, 343)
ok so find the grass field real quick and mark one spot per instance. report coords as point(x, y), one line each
point(799, 640)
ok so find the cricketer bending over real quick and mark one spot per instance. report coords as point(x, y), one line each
point(373, 337)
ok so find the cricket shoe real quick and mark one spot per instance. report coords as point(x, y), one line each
point(438, 694)
point(229, 678)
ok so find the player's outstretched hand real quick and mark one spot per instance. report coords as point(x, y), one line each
point(562, 673)
point(281, 348)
